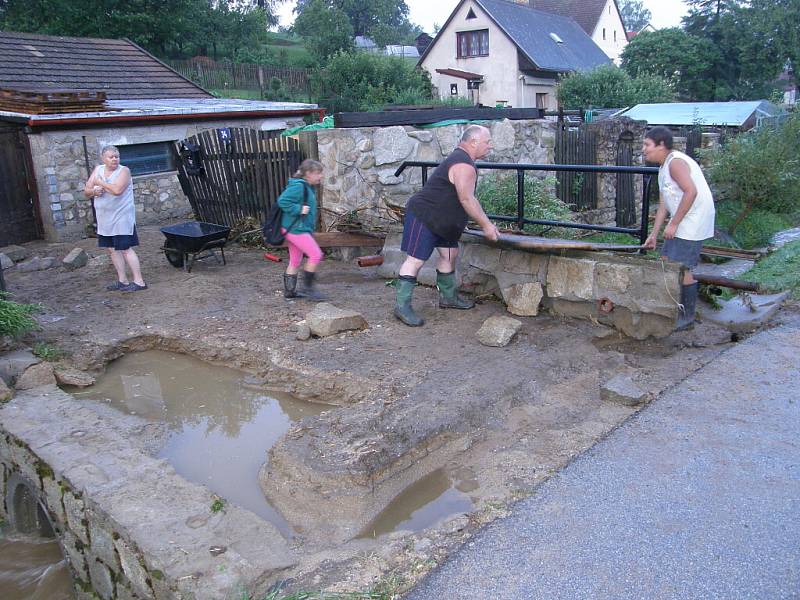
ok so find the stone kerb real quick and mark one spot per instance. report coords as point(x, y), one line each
point(360, 162)
point(128, 525)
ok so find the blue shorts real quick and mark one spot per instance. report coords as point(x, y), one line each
point(419, 241)
point(686, 252)
point(118, 242)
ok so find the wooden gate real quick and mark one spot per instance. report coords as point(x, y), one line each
point(576, 146)
point(232, 173)
point(18, 216)
point(625, 199)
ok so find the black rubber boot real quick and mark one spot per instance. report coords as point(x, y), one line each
point(289, 286)
point(309, 290)
point(402, 309)
point(689, 301)
point(448, 292)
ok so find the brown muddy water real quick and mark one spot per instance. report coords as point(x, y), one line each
point(219, 428)
point(32, 568)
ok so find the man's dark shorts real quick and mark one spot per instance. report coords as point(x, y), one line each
point(419, 241)
point(118, 242)
point(686, 252)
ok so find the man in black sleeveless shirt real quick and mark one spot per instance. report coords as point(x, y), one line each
point(436, 217)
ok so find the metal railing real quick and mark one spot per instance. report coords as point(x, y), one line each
point(520, 220)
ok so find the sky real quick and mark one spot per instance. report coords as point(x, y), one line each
point(426, 13)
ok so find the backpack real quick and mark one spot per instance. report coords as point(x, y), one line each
point(271, 228)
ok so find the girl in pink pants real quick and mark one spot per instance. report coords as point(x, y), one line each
point(299, 205)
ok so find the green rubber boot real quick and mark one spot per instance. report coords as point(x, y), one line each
point(689, 301)
point(402, 310)
point(448, 292)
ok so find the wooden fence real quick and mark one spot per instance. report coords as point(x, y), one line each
point(241, 76)
point(232, 173)
point(576, 146)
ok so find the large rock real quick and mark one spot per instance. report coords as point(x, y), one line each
point(36, 376)
point(15, 253)
point(621, 389)
point(5, 262)
point(571, 279)
point(5, 392)
point(392, 144)
point(497, 331)
point(73, 376)
point(523, 299)
point(32, 264)
point(327, 319)
point(13, 364)
point(76, 259)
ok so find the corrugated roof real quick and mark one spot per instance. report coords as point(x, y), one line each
point(118, 67)
point(730, 114)
point(530, 29)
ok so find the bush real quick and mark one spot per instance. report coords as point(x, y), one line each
point(611, 87)
point(370, 81)
point(15, 319)
point(498, 196)
point(757, 172)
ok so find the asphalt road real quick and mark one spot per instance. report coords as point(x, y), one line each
point(695, 497)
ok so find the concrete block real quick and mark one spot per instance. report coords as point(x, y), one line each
point(515, 261)
point(76, 259)
point(745, 313)
point(327, 319)
point(570, 278)
point(498, 331)
point(523, 300)
point(482, 257)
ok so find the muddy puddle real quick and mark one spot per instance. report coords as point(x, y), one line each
point(219, 427)
point(32, 568)
point(425, 503)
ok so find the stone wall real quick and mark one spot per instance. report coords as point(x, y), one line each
point(360, 162)
point(60, 171)
point(128, 525)
point(629, 292)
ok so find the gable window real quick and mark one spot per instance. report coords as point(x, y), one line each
point(471, 14)
point(615, 35)
point(472, 43)
point(145, 159)
point(604, 33)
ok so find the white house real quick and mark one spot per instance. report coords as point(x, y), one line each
point(496, 52)
point(600, 19)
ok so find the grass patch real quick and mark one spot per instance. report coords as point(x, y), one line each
point(217, 505)
point(779, 271)
point(15, 318)
point(48, 352)
point(756, 229)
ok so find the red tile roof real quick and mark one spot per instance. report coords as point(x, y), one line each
point(586, 13)
point(120, 68)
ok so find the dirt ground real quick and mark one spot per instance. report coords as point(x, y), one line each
point(408, 401)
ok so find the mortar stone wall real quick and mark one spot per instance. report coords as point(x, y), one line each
point(128, 525)
point(642, 293)
point(59, 163)
point(360, 162)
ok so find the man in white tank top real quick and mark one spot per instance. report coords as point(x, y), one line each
point(686, 197)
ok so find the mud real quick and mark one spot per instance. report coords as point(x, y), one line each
point(408, 404)
point(32, 569)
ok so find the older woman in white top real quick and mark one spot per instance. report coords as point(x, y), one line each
point(112, 189)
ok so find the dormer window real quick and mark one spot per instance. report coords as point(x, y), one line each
point(555, 38)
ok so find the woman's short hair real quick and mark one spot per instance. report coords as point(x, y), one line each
point(307, 165)
point(660, 135)
point(109, 148)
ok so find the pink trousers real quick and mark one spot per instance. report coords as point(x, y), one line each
point(302, 244)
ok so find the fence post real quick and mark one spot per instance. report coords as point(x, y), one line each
point(646, 181)
point(520, 199)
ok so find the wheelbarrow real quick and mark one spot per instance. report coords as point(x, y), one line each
point(194, 240)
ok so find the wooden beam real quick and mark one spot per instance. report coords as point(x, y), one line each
point(342, 239)
point(432, 115)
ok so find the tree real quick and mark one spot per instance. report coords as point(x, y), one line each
point(634, 14)
point(325, 30)
point(609, 86)
point(685, 61)
point(385, 21)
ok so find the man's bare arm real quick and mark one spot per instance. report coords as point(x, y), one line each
point(463, 177)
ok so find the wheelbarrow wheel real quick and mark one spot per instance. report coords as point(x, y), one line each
point(175, 257)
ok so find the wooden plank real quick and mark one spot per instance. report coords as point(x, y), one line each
point(530, 242)
point(424, 116)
